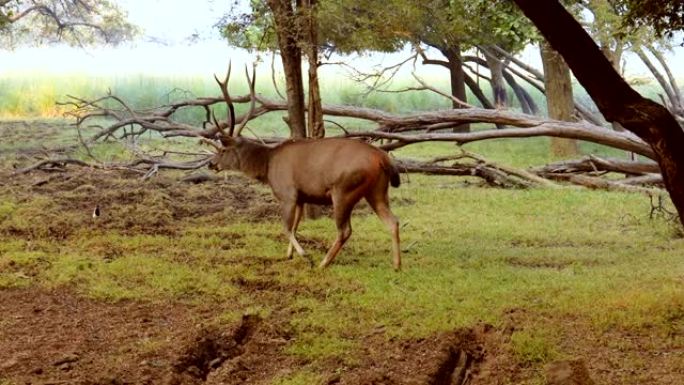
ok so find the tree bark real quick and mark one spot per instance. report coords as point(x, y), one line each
point(527, 104)
point(287, 31)
point(613, 96)
point(672, 99)
point(457, 79)
point(679, 104)
point(497, 79)
point(559, 99)
point(315, 110)
point(477, 91)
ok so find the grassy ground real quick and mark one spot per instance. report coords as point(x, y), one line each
point(557, 273)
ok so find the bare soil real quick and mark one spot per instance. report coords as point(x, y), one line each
point(57, 337)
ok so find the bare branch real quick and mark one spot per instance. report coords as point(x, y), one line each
point(605, 136)
point(450, 97)
point(153, 165)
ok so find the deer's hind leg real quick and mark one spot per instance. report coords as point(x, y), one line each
point(379, 201)
point(343, 204)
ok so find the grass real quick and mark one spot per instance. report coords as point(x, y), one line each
point(473, 255)
point(36, 94)
point(534, 348)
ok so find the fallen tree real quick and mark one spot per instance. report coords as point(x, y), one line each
point(124, 123)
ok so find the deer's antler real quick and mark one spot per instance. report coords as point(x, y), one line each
point(252, 97)
point(223, 85)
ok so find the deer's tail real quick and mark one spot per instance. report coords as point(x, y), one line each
point(393, 171)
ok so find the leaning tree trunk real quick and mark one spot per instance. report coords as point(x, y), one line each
point(613, 96)
point(315, 110)
point(559, 100)
point(291, 55)
point(457, 77)
point(477, 91)
point(497, 79)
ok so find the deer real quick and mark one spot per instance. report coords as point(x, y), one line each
point(327, 171)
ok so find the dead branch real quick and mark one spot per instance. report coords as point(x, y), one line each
point(597, 183)
point(492, 176)
point(401, 130)
point(150, 166)
point(52, 164)
point(594, 163)
point(621, 140)
point(648, 179)
point(435, 90)
point(523, 174)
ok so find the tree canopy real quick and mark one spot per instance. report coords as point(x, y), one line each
point(665, 17)
point(367, 25)
point(75, 22)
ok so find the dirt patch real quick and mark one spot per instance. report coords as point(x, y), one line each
point(211, 349)
point(445, 359)
point(61, 338)
point(57, 337)
point(59, 205)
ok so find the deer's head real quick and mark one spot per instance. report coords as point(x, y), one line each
point(226, 156)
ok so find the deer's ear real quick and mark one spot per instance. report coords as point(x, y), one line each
point(227, 140)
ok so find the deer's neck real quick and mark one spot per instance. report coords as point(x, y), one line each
point(254, 158)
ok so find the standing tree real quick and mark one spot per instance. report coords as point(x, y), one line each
point(559, 99)
point(315, 110)
point(614, 97)
point(288, 32)
point(75, 22)
point(290, 28)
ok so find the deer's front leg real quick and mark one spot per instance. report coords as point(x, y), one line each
point(295, 223)
point(291, 218)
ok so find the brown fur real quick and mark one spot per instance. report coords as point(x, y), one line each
point(323, 171)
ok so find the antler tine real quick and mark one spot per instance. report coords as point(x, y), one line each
point(211, 143)
point(223, 85)
point(252, 96)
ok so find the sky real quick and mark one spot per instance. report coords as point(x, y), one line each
point(166, 49)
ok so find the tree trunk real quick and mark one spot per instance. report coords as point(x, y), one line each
point(679, 104)
point(527, 104)
point(497, 79)
point(477, 91)
point(315, 110)
point(457, 78)
point(315, 126)
point(613, 96)
point(559, 100)
point(291, 55)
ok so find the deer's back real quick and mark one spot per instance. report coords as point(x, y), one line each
point(314, 167)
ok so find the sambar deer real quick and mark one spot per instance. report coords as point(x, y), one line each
point(326, 171)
